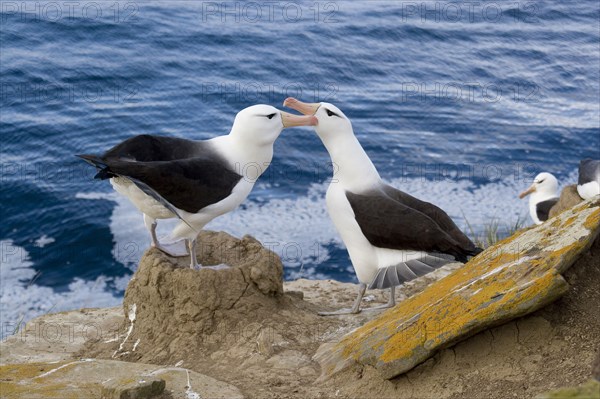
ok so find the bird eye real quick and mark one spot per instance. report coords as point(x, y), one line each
point(331, 113)
point(541, 181)
point(270, 116)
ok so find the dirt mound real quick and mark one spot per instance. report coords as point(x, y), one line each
point(172, 309)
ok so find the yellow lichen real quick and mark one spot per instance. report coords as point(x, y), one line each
point(570, 221)
point(21, 380)
point(593, 221)
point(461, 311)
point(506, 280)
point(436, 292)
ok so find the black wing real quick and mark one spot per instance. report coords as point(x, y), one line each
point(435, 213)
point(189, 184)
point(148, 148)
point(589, 170)
point(542, 209)
point(388, 223)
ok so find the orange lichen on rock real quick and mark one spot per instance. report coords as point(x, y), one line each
point(593, 220)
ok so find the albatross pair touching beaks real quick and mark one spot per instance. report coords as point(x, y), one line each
point(195, 181)
point(391, 236)
point(544, 193)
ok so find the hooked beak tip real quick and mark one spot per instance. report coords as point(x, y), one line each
point(288, 101)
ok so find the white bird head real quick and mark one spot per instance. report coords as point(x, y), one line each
point(544, 186)
point(261, 124)
point(352, 167)
point(332, 122)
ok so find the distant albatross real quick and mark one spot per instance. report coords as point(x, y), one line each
point(588, 184)
point(544, 195)
point(391, 236)
point(195, 181)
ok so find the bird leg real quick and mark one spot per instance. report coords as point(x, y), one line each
point(175, 249)
point(391, 301)
point(355, 308)
point(151, 226)
point(191, 243)
point(194, 261)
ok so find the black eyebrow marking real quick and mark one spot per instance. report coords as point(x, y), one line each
point(331, 113)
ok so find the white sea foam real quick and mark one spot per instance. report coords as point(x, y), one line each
point(43, 241)
point(465, 202)
point(94, 196)
point(22, 299)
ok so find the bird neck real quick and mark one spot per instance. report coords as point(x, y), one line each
point(540, 196)
point(245, 156)
point(352, 167)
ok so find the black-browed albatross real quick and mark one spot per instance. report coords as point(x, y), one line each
point(391, 236)
point(588, 184)
point(195, 181)
point(543, 196)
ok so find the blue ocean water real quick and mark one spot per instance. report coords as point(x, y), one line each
point(459, 103)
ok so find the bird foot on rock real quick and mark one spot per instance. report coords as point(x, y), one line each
point(356, 311)
point(222, 266)
point(176, 249)
point(217, 267)
point(380, 307)
point(340, 312)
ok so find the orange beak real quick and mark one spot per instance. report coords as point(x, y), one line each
point(290, 120)
point(525, 193)
point(303, 108)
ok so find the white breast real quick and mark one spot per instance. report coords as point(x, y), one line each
point(535, 199)
point(533, 211)
point(366, 258)
point(362, 253)
point(589, 190)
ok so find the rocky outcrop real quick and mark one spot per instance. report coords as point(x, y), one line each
point(511, 279)
point(61, 336)
point(109, 379)
point(569, 197)
point(146, 387)
point(552, 348)
point(263, 344)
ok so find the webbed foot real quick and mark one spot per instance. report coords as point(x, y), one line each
point(175, 249)
point(340, 312)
